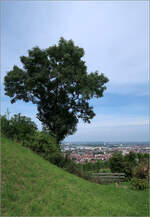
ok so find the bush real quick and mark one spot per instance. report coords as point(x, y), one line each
point(19, 128)
point(116, 163)
point(126, 164)
point(105, 170)
point(76, 169)
point(22, 127)
point(45, 145)
point(138, 184)
point(5, 126)
point(130, 162)
point(142, 170)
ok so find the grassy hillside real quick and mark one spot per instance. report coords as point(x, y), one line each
point(32, 186)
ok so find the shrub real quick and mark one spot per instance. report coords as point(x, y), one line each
point(126, 164)
point(138, 184)
point(142, 170)
point(45, 145)
point(5, 126)
point(22, 127)
point(19, 128)
point(116, 163)
point(76, 169)
point(130, 162)
point(71, 167)
point(105, 170)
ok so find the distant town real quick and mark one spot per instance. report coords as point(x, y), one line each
point(82, 153)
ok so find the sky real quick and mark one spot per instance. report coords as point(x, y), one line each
point(115, 38)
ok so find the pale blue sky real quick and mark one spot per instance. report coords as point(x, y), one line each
point(114, 35)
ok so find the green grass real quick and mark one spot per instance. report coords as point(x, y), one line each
point(32, 186)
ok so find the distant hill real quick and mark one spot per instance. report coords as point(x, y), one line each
point(31, 186)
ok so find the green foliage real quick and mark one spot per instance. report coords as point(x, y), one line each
point(105, 170)
point(23, 127)
point(116, 163)
point(45, 145)
point(141, 171)
point(95, 167)
point(19, 128)
point(5, 125)
point(138, 184)
point(56, 79)
point(141, 156)
point(130, 162)
point(77, 170)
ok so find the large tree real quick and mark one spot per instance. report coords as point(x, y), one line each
point(56, 80)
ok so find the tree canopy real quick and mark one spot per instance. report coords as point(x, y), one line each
point(57, 81)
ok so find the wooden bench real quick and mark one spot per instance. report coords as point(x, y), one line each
point(109, 177)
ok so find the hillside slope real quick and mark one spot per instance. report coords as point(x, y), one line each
point(32, 186)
